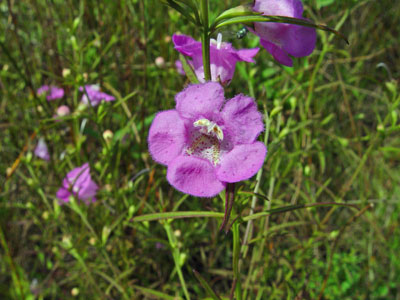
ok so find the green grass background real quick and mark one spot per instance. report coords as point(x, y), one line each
point(333, 136)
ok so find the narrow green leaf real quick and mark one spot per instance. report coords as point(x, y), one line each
point(186, 12)
point(206, 286)
point(192, 4)
point(273, 19)
point(155, 293)
point(241, 10)
point(254, 194)
point(178, 215)
point(188, 69)
point(294, 207)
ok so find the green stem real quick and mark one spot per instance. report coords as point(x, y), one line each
point(205, 40)
point(176, 255)
point(235, 260)
point(14, 272)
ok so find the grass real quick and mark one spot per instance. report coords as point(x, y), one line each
point(332, 135)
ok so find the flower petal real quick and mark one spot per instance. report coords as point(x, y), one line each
point(88, 189)
point(166, 136)
point(283, 39)
point(242, 162)
point(55, 93)
point(186, 45)
point(240, 114)
point(199, 100)
point(280, 55)
point(289, 8)
point(247, 54)
point(75, 177)
point(42, 89)
point(63, 194)
point(300, 40)
point(194, 176)
point(41, 150)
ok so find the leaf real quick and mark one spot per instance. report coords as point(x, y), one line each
point(184, 11)
point(147, 291)
point(206, 286)
point(178, 215)
point(241, 10)
point(212, 214)
point(188, 69)
point(265, 198)
point(294, 207)
point(255, 17)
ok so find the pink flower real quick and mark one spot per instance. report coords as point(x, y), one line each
point(283, 39)
point(63, 111)
point(41, 150)
point(79, 184)
point(223, 57)
point(94, 94)
point(53, 92)
point(206, 141)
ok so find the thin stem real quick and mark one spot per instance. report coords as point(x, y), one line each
point(229, 200)
point(235, 261)
point(176, 255)
point(14, 272)
point(205, 40)
point(249, 227)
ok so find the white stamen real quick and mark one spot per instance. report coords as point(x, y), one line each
point(209, 128)
point(219, 40)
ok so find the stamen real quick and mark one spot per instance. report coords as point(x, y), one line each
point(219, 40)
point(206, 141)
point(209, 128)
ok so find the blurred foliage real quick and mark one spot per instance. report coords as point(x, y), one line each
point(333, 136)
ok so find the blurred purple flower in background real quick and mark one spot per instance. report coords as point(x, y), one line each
point(207, 141)
point(283, 39)
point(79, 184)
point(179, 67)
point(53, 92)
point(41, 150)
point(223, 57)
point(94, 94)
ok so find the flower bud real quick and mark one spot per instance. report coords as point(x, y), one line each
point(63, 111)
point(66, 72)
point(108, 135)
point(160, 62)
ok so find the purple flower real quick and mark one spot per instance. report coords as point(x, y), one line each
point(206, 142)
point(95, 96)
point(223, 57)
point(54, 92)
point(79, 184)
point(283, 39)
point(41, 150)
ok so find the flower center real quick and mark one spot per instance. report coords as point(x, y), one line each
point(206, 141)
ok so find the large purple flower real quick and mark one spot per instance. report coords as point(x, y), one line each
point(283, 39)
point(94, 95)
point(53, 92)
point(223, 57)
point(79, 184)
point(206, 142)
